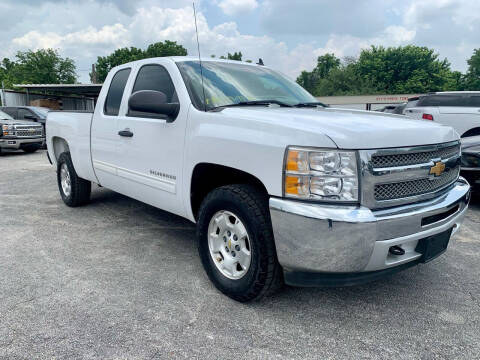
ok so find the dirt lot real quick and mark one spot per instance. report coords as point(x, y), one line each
point(120, 279)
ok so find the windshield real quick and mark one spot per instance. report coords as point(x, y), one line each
point(5, 116)
point(227, 83)
point(42, 112)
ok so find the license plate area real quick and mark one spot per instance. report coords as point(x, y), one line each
point(433, 246)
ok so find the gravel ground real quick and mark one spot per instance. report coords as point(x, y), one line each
point(118, 279)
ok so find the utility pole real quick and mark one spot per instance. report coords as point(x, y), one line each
point(2, 95)
point(94, 75)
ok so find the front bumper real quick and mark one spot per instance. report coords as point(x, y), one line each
point(17, 143)
point(345, 240)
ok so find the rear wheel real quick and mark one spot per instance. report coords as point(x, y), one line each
point(235, 242)
point(74, 190)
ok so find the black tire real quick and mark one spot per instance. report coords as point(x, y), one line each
point(31, 148)
point(264, 275)
point(80, 188)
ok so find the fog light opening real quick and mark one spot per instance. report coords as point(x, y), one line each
point(396, 250)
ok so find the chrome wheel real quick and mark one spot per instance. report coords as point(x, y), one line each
point(65, 180)
point(229, 245)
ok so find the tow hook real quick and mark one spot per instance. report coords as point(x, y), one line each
point(396, 250)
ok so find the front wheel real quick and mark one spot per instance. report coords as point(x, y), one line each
point(74, 190)
point(235, 242)
point(31, 148)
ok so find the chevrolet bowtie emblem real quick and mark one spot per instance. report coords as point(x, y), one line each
point(437, 169)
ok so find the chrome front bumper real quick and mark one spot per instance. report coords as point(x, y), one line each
point(16, 143)
point(346, 239)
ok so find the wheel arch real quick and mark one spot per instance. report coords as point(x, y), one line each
point(208, 176)
point(60, 145)
point(472, 132)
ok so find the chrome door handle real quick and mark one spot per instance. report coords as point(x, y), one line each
point(125, 133)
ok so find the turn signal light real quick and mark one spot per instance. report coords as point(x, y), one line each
point(297, 161)
point(427, 117)
point(296, 185)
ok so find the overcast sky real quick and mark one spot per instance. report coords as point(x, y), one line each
point(287, 34)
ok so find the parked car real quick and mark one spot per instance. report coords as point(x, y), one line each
point(280, 187)
point(412, 102)
point(399, 109)
point(17, 134)
point(389, 109)
point(393, 109)
point(27, 113)
point(459, 109)
point(471, 160)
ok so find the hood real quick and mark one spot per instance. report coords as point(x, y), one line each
point(17, 122)
point(350, 129)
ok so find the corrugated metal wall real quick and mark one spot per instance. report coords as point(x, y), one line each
point(12, 98)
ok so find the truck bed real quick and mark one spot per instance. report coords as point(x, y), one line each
point(74, 127)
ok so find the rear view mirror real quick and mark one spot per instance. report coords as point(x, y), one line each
point(150, 103)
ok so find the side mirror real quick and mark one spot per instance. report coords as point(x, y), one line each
point(150, 103)
point(30, 117)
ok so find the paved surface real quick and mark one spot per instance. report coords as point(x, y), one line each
point(119, 279)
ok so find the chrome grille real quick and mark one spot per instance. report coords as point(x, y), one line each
point(405, 189)
point(28, 131)
point(397, 176)
point(393, 160)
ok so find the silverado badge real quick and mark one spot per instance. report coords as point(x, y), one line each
point(437, 169)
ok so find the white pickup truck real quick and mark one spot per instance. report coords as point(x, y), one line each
point(282, 189)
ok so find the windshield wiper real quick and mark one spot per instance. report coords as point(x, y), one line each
point(310, 104)
point(253, 102)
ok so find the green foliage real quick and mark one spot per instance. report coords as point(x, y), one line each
point(312, 80)
point(43, 66)
point(472, 78)
point(409, 69)
point(124, 55)
point(235, 56)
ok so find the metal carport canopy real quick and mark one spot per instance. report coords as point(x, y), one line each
point(88, 90)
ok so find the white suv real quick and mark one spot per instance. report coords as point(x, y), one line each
point(459, 109)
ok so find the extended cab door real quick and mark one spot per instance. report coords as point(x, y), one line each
point(150, 156)
point(104, 131)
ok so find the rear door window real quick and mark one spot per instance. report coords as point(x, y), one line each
point(444, 100)
point(474, 101)
point(115, 92)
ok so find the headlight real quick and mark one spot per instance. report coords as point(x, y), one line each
point(321, 174)
point(8, 130)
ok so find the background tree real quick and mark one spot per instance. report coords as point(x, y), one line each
point(408, 69)
point(124, 55)
point(43, 66)
point(325, 64)
point(235, 56)
point(472, 78)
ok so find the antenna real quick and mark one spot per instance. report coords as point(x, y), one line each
point(199, 58)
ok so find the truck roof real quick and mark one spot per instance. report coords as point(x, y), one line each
point(195, 58)
point(454, 92)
